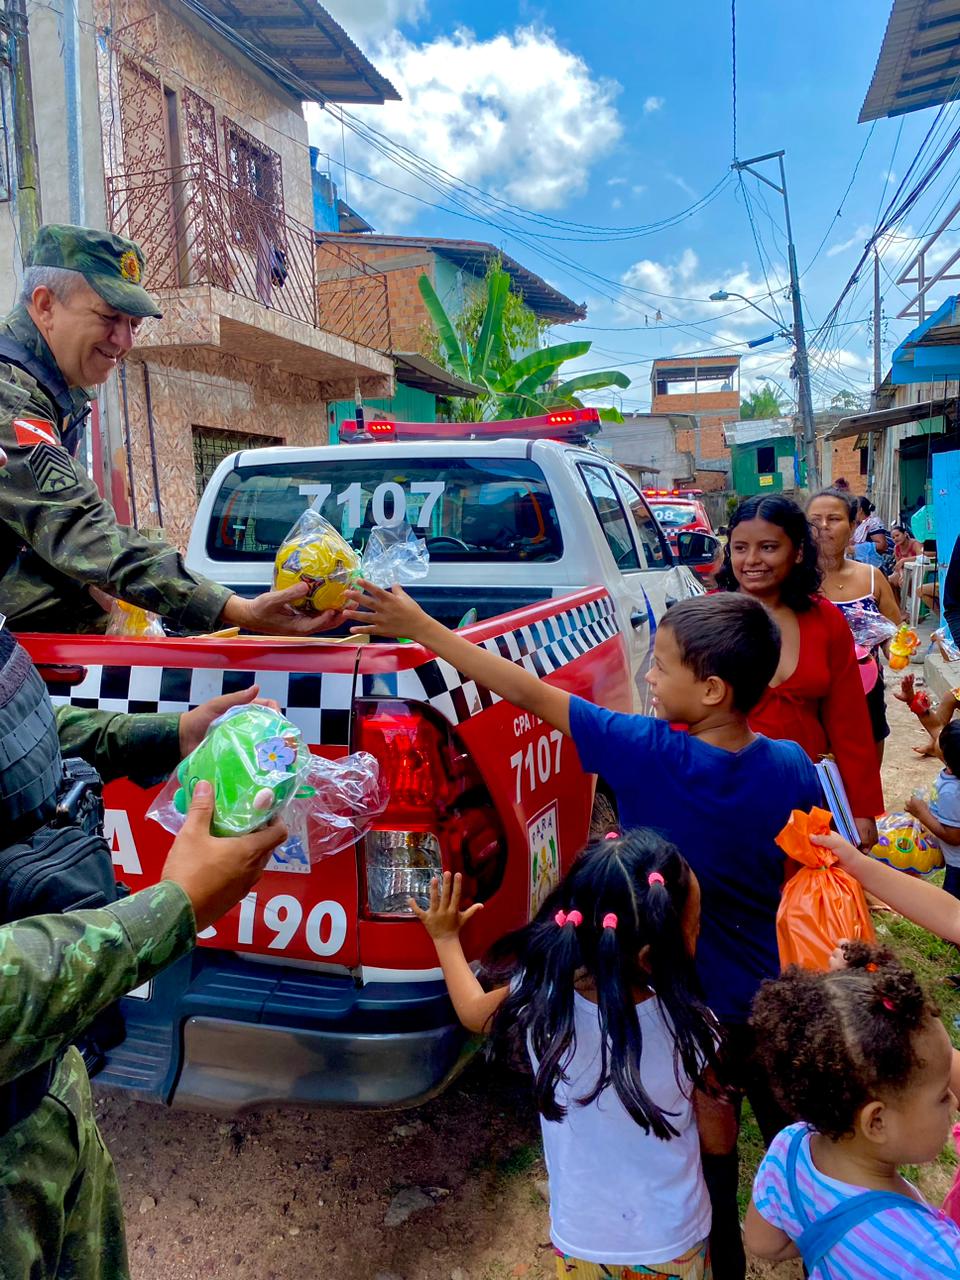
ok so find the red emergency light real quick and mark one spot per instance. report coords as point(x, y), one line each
point(672, 493)
point(568, 425)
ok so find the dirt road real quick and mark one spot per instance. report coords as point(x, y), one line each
point(451, 1191)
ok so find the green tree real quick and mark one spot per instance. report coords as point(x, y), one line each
point(481, 346)
point(848, 401)
point(763, 402)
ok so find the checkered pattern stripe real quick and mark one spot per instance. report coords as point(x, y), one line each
point(540, 648)
point(319, 704)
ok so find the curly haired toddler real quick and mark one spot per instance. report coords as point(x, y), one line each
point(861, 1057)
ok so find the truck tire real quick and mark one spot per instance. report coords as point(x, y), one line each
point(604, 816)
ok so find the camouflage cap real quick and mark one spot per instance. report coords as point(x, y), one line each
point(110, 264)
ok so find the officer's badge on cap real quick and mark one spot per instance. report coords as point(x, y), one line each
point(110, 264)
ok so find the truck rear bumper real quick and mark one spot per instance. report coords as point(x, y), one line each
point(234, 1066)
point(218, 1032)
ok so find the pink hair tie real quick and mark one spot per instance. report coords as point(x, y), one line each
point(610, 921)
point(561, 918)
point(655, 878)
point(888, 1004)
point(612, 835)
point(574, 918)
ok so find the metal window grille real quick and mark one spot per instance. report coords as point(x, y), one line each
point(211, 446)
point(255, 179)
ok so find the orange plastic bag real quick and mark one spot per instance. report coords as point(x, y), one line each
point(821, 904)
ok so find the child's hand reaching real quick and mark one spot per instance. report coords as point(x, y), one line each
point(907, 690)
point(443, 918)
point(385, 613)
point(848, 854)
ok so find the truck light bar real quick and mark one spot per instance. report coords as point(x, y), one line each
point(568, 425)
point(672, 493)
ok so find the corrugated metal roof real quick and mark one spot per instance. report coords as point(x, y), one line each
point(298, 44)
point(753, 430)
point(542, 299)
point(919, 61)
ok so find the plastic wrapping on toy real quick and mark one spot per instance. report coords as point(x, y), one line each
point(821, 904)
point(314, 552)
point(394, 554)
point(903, 842)
point(130, 620)
point(870, 629)
point(337, 803)
point(253, 757)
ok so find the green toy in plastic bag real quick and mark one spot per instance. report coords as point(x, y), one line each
point(254, 759)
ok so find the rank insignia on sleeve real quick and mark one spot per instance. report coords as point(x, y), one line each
point(52, 469)
point(31, 431)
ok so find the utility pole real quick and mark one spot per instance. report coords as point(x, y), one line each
point(74, 122)
point(24, 129)
point(877, 371)
point(801, 363)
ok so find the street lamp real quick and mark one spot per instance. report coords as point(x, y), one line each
point(722, 295)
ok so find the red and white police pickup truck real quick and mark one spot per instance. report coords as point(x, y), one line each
point(320, 987)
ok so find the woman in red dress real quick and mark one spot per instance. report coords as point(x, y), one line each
point(816, 697)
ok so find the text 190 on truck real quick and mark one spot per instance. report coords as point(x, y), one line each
point(321, 987)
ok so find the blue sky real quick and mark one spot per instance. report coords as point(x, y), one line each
point(618, 114)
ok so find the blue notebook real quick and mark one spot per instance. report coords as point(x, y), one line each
point(835, 799)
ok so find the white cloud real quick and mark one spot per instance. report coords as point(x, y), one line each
point(682, 183)
point(652, 104)
point(638, 189)
point(374, 18)
point(891, 176)
point(685, 290)
point(516, 113)
point(616, 182)
point(858, 238)
point(616, 203)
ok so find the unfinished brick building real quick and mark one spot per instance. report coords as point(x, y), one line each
point(708, 387)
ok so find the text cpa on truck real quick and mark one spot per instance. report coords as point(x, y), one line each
point(321, 987)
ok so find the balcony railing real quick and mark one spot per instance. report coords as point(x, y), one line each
point(195, 229)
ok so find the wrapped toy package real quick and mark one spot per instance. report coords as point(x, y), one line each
point(314, 552)
point(821, 904)
point(259, 768)
point(130, 620)
point(903, 842)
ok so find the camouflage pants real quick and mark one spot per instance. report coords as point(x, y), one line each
point(60, 1211)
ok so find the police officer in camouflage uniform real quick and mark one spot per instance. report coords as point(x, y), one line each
point(60, 1211)
point(80, 309)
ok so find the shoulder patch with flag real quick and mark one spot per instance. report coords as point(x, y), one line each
point(31, 431)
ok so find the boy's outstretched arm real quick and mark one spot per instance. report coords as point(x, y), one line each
point(394, 613)
point(919, 901)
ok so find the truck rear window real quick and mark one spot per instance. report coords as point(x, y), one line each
point(488, 509)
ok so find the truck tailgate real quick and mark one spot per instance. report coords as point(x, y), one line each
point(294, 913)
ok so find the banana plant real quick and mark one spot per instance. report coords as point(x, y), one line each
point(528, 387)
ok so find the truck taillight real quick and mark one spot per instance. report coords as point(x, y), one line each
point(440, 815)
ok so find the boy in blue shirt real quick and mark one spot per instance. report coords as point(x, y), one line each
point(718, 791)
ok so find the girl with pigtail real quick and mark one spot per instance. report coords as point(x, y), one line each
point(599, 990)
point(861, 1057)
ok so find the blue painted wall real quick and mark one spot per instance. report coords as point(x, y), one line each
point(324, 194)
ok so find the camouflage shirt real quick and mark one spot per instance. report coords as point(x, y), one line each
point(144, 748)
point(58, 972)
point(58, 536)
